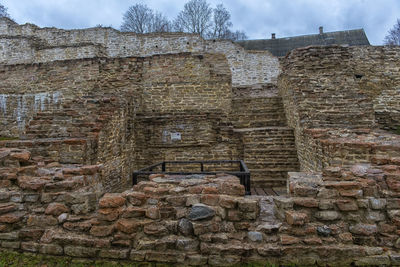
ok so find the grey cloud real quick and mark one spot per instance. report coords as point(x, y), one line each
point(258, 18)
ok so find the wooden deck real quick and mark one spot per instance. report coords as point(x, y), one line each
point(270, 191)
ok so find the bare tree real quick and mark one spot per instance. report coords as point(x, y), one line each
point(3, 11)
point(141, 19)
point(194, 18)
point(237, 36)
point(393, 36)
point(221, 23)
point(160, 23)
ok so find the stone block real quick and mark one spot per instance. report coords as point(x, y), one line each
point(327, 215)
point(223, 260)
point(196, 260)
point(228, 202)
point(255, 236)
point(185, 227)
point(114, 253)
point(296, 217)
point(306, 202)
point(187, 244)
point(377, 204)
point(155, 229)
point(168, 257)
point(363, 229)
point(134, 212)
point(248, 205)
point(201, 212)
point(83, 252)
point(346, 205)
point(30, 246)
point(11, 244)
point(289, 240)
point(127, 225)
point(56, 209)
point(51, 249)
point(209, 199)
point(111, 201)
point(101, 231)
point(153, 213)
point(12, 217)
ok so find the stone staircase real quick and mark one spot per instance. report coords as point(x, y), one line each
point(269, 148)
point(258, 112)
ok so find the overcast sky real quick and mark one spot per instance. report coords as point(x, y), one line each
point(258, 18)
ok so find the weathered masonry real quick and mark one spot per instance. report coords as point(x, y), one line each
point(81, 109)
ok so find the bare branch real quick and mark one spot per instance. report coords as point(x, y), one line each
point(141, 19)
point(393, 36)
point(221, 23)
point(194, 18)
point(3, 11)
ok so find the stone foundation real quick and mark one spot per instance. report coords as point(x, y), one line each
point(201, 220)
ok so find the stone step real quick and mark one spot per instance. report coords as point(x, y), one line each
point(254, 108)
point(246, 101)
point(268, 134)
point(281, 161)
point(262, 130)
point(266, 144)
point(277, 150)
point(258, 123)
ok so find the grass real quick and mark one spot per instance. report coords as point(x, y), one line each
point(397, 131)
point(16, 259)
point(6, 138)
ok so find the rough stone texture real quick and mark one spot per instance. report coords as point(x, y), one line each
point(298, 231)
point(74, 130)
point(24, 44)
point(328, 89)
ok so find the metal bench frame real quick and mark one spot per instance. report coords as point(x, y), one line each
point(243, 174)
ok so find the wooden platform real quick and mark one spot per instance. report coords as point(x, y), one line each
point(270, 191)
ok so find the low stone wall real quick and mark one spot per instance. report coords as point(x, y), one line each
point(342, 216)
point(320, 148)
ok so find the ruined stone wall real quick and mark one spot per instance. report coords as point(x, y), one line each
point(339, 87)
point(319, 148)
point(340, 217)
point(178, 83)
point(49, 44)
point(122, 111)
point(188, 136)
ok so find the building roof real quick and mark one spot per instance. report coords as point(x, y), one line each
point(281, 46)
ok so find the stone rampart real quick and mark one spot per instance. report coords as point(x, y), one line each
point(50, 44)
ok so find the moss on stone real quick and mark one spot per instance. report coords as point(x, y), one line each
point(6, 138)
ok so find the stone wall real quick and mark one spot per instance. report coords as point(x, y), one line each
point(179, 83)
point(48, 44)
point(320, 148)
point(342, 216)
point(121, 111)
point(339, 87)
